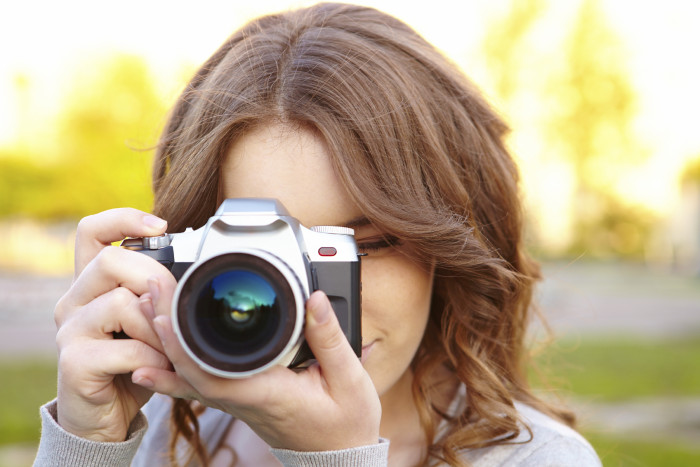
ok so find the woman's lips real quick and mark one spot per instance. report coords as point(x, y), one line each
point(366, 351)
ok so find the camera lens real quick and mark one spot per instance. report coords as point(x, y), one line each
point(237, 312)
point(240, 308)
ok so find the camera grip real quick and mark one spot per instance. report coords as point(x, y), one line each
point(333, 278)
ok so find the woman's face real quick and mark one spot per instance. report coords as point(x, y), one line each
point(292, 165)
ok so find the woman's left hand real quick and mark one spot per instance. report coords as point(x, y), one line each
point(331, 405)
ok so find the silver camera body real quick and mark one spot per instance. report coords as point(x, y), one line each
point(243, 281)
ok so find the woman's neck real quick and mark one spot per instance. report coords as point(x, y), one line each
point(400, 417)
point(401, 424)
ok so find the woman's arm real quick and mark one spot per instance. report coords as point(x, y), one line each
point(58, 448)
point(97, 402)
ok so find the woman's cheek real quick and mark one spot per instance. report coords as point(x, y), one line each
point(395, 306)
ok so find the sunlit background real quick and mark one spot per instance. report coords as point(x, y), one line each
point(602, 97)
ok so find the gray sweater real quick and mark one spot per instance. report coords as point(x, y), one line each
point(552, 444)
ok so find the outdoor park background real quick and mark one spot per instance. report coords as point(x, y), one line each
point(602, 97)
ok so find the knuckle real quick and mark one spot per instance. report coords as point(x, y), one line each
point(85, 225)
point(63, 338)
point(133, 351)
point(107, 257)
point(60, 311)
point(163, 362)
point(110, 253)
point(70, 359)
point(121, 297)
point(335, 340)
point(142, 354)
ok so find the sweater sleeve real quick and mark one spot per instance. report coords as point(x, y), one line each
point(375, 455)
point(59, 448)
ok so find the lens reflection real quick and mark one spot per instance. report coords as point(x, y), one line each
point(240, 309)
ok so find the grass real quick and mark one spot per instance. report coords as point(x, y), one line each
point(602, 370)
point(25, 386)
point(616, 452)
point(612, 370)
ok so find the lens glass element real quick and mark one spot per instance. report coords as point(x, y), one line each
point(240, 308)
point(237, 312)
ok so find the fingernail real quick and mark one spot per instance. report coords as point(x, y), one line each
point(144, 382)
point(319, 307)
point(154, 222)
point(154, 289)
point(159, 327)
point(146, 307)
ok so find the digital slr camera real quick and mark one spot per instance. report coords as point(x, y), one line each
point(243, 281)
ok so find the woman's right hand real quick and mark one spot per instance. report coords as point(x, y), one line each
point(96, 397)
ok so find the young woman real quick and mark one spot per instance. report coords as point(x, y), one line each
point(347, 117)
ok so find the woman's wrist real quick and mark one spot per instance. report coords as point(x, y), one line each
point(137, 425)
point(59, 447)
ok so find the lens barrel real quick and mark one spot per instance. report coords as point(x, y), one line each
point(239, 313)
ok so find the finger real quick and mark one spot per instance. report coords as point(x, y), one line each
point(100, 230)
point(146, 307)
point(246, 391)
point(338, 362)
point(161, 290)
point(163, 381)
point(148, 312)
point(183, 364)
point(113, 267)
point(114, 312)
point(106, 358)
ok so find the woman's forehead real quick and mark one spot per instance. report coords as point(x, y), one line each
point(290, 164)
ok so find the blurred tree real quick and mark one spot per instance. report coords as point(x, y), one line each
point(589, 105)
point(503, 46)
point(23, 185)
point(591, 126)
point(106, 130)
point(22, 90)
point(691, 172)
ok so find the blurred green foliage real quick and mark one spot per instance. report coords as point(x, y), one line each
point(101, 155)
point(598, 369)
point(616, 370)
point(593, 128)
point(691, 172)
point(26, 385)
point(589, 105)
point(503, 52)
point(620, 452)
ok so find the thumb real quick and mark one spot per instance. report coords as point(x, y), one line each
point(328, 342)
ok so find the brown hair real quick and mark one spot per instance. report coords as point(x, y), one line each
point(418, 149)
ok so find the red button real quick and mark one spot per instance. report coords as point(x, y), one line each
point(327, 251)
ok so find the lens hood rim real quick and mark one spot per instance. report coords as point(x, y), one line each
point(290, 349)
